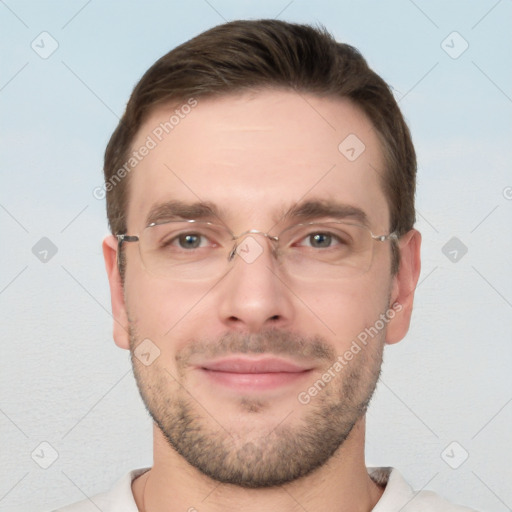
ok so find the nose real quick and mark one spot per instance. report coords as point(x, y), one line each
point(254, 295)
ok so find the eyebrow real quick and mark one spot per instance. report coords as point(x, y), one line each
point(178, 210)
point(303, 211)
point(316, 209)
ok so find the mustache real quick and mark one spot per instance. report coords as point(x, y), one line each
point(276, 342)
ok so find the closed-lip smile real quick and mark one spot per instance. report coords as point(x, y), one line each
point(253, 374)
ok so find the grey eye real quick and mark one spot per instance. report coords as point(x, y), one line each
point(189, 241)
point(320, 240)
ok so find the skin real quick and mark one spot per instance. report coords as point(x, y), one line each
point(254, 156)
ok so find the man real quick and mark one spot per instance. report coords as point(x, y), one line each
point(260, 191)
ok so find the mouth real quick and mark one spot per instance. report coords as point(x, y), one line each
point(254, 374)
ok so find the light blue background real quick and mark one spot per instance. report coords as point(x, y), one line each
point(62, 379)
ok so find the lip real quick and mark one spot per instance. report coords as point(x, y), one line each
point(252, 365)
point(253, 374)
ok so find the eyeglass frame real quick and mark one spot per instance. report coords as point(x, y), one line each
point(393, 236)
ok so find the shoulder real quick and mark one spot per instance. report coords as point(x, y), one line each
point(118, 499)
point(399, 495)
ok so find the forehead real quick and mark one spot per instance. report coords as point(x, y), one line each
point(256, 155)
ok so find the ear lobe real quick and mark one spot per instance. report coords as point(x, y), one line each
point(121, 332)
point(404, 285)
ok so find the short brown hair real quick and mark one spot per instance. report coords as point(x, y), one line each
point(255, 54)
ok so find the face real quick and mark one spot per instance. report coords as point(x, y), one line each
point(259, 374)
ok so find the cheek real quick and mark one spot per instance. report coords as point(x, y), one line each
point(161, 311)
point(343, 311)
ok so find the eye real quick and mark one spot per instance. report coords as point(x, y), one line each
point(329, 238)
point(190, 240)
point(187, 241)
point(320, 240)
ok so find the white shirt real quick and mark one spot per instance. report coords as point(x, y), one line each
point(397, 496)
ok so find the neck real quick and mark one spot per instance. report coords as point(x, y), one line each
point(341, 485)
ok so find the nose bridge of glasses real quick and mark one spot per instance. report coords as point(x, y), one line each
point(242, 236)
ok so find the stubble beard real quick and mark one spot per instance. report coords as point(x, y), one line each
point(295, 445)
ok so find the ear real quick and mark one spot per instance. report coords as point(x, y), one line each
point(121, 332)
point(404, 285)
